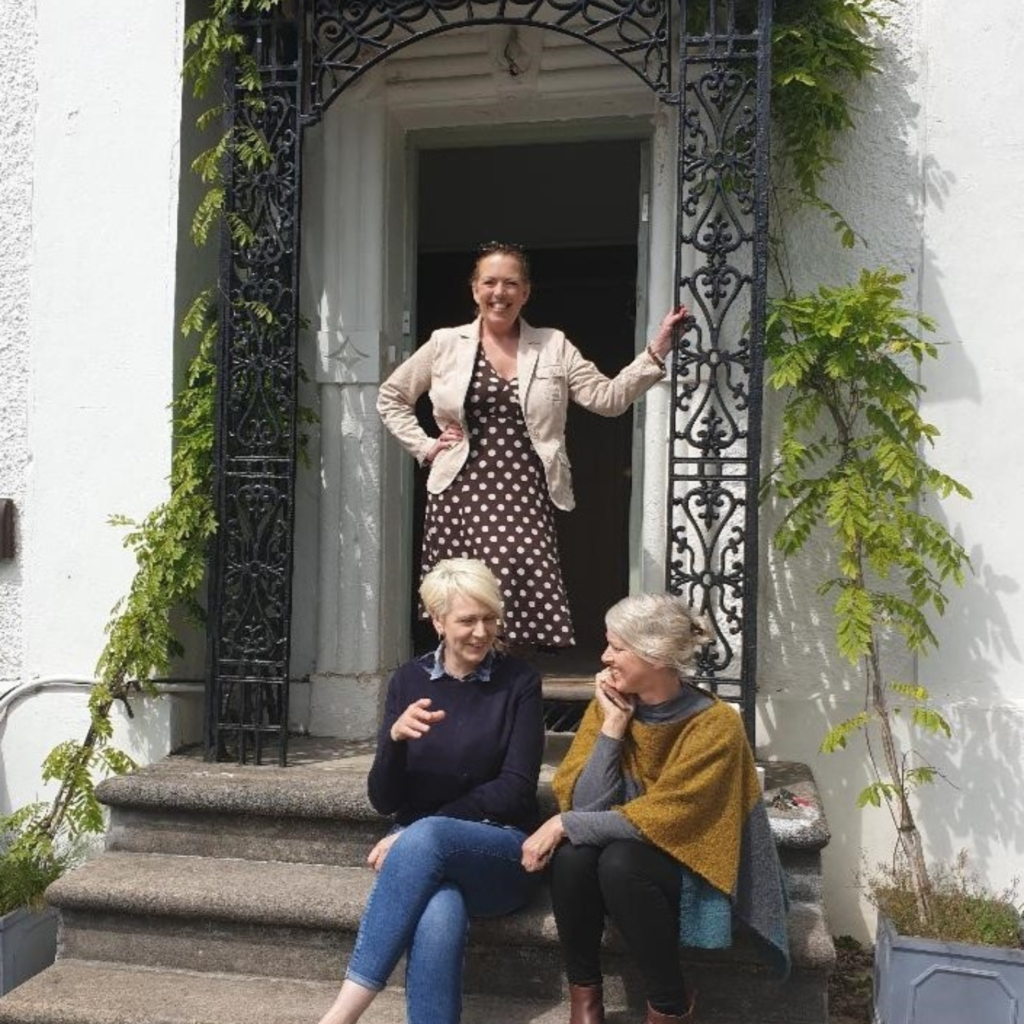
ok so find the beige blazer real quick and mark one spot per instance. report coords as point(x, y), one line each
point(550, 371)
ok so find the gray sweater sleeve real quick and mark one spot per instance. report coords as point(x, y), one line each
point(600, 784)
point(597, 828)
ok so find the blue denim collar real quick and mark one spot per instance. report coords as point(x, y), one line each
point(434, 664)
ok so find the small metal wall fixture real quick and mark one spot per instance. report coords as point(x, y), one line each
point(6, 528)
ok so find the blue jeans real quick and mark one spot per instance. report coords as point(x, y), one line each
point(437, 874)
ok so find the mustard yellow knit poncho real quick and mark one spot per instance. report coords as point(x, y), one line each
point(700, 801)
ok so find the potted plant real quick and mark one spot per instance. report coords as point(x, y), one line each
point(965, 963)
point(850, 465)
point(29, 862)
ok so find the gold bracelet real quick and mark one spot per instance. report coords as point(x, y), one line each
point(656, 357)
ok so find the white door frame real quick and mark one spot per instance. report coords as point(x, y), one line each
point(358, 269)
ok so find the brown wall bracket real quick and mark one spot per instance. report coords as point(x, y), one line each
point(6, 527)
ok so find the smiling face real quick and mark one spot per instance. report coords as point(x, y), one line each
point(469, 628)
point(629, 673)
point(500, 290)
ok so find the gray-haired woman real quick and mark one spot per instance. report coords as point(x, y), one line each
point(662, 827)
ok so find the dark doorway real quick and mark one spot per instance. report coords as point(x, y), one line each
point(590, 292)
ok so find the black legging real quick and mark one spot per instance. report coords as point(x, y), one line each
point(635, 884)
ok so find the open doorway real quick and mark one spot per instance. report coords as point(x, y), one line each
point(575, 208)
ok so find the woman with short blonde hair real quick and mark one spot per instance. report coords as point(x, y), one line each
point(456, 767)
point(454, 576)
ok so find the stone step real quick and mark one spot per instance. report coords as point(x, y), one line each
point(83, 992)
point(79, 992)
point(261, 870)
point(316, 810)
point(299, 921)
point(329, 842)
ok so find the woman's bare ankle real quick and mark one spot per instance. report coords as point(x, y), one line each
point(352, 1001)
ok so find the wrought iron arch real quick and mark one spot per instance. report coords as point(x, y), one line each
point(710, 61)
point(348, 39)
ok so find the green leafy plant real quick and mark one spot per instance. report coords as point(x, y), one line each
point(29, 860)
point(818, 48)
point(850, 463)
point(962, 908)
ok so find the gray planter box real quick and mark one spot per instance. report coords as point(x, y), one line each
point(921, 981)
point(28, 943)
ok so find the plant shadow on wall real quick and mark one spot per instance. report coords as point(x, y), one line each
point(984, 801)
point(858, 512)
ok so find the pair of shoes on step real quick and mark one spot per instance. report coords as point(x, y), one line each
point(586, 1006)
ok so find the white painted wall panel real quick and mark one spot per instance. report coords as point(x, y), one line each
point(104, 215)
point(94, 296)
point(17, 110)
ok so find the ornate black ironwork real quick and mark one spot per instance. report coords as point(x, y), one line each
point(724, 75)
point(250, 589)
point(722, 98)
point(350, 38)
point(563, 715)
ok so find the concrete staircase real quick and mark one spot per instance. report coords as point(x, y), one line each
point(231, 895)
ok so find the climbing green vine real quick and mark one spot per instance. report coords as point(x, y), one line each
point(819, 47)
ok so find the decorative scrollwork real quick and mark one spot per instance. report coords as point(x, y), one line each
point(350, 38)
point(715, 451)
point(257, 386)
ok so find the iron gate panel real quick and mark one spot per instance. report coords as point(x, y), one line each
point(722, 235)
point(721, 94)
point(251, 572)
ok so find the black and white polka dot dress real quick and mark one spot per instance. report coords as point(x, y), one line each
point(498, 510)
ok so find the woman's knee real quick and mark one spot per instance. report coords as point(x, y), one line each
point(574, 869)
point(445, 913)
point(421, 841)
point(618, 864)
point(630, 863)
point(575, 859)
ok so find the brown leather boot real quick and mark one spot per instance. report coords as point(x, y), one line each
point(586, 1004)
point(656, 1017)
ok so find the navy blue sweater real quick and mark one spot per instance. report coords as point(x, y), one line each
point(481, 762)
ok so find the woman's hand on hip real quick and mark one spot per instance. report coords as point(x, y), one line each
point(661, 343)
point(415, 721)
point(450, 437)
point(538, 848)
point(376, 856)
point(616, 707)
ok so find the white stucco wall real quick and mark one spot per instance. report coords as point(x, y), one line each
point(17, 107)
point(93, 312)
point(930, 178)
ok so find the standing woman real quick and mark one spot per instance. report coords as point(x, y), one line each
point(499, 467)
point(457, 762)
point(667, 832)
